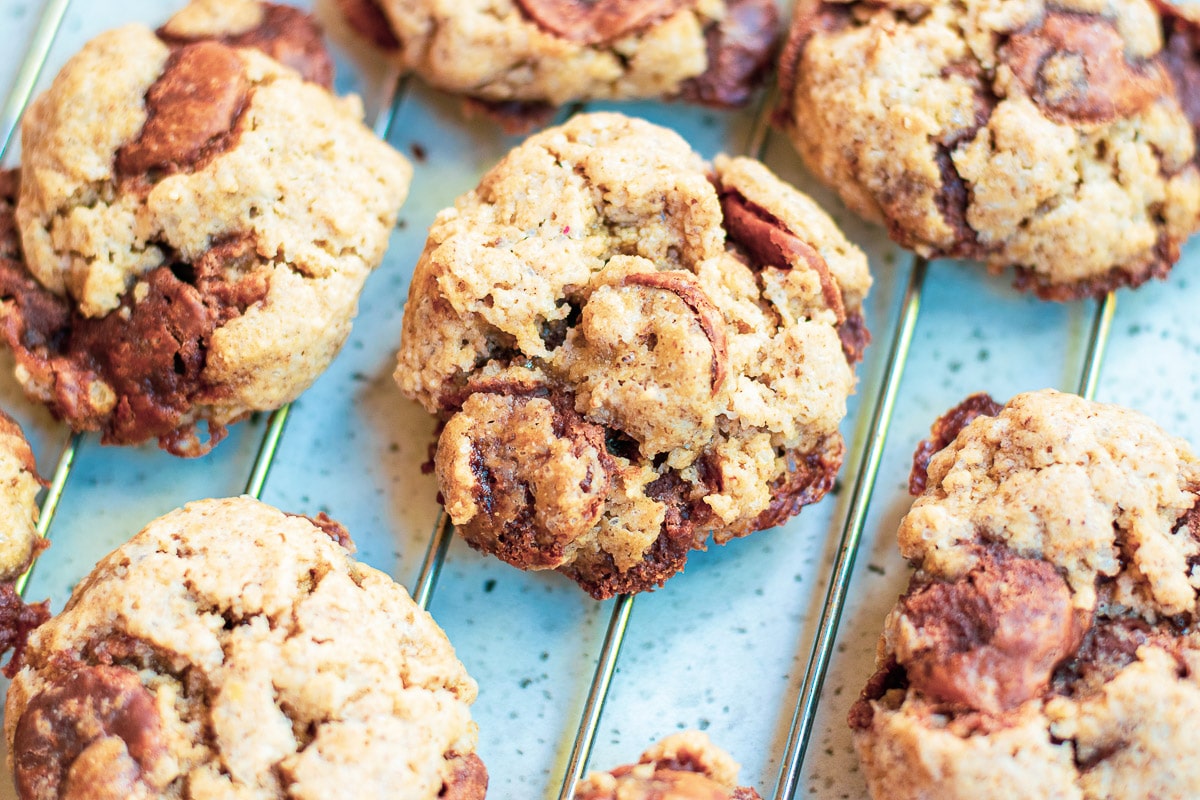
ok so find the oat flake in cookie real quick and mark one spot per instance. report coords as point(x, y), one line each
point(1047, 645)
point(1056, 138)
point(232, 650)
point(196, 226)
point(513, 56)
point(630, 349)
point(684, 766)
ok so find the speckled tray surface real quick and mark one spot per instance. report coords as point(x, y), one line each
point(722, 647)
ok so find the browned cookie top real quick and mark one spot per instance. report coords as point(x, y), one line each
point(194, 230)
point(555, 51)
point(632, 349)
point(1056, 138)
point(1047, 645)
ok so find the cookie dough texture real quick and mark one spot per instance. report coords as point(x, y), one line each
point(230, 650)
point(684, 766)
point(19, 486)
point(630, 349)
point(1056, 138)
point(558, 51)
point(197, 221)
point(1047, 645)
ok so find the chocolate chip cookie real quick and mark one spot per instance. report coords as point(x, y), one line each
point(232, 650)
point(513, 56)
point(630, 349)
point(1047, 645)
point(1056, 138)
point(195, 228)
point(684, 766)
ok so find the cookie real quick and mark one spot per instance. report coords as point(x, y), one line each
point(232, 650)
point(1056, 138)
point(19, 541)
point(684, 766)
point(513, 56)
point(196, 227)
point(1047, 644)
point(630, 349)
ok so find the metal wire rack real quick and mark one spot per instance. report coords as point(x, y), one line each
point(864, 464)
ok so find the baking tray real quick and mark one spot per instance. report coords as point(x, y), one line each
point(725, 646)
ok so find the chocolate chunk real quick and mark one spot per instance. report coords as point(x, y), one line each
point(1074, 67)
point(286, 34)
point(1181, 56)
point(136, 373)
point(94, 717)
point(598, 21)
point(17, 620)
point(992, 639)
point(332, 528)
point(515, 117)
point(887, 678)
point(740, 46)
point(809, 20)
point(707, 314)
point(512, 524)
point(369, 20)
point(854, 336)
point(192, 112)
point(468, 779)
point(809, 477)
point(770, 243)
point(944, 431)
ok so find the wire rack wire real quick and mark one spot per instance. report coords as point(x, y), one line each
point(864, 463)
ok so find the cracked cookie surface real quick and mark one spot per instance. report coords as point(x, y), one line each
point(232, 650)
point(683, 766)
point(1047, 644)
point(631, 349)
point(552, 52)
point(196, 227)
point(1056, 138)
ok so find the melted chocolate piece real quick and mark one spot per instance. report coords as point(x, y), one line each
point(598, 21)
point(508, 527)
point(889, 677)
point(467, 781)
point(150, 352)
point(992, 639)
point(1181, 57)
point(192, 112)
point(809, 477)
point(83, 710)
point(740, 47)
point(286, 34)
point(944, 431)
point(1103, 84)
point(770, 243)
point(712, 322)
point(368, 19)
point(17, 620)
point(332, 528)
point(809, 20)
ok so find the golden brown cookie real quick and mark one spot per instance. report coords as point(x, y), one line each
point(631, 349)
point(1047, 644)
point(513, 56)
point(684, 766)
point(1056, 138)
point(195, 228)
point(232, 650)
